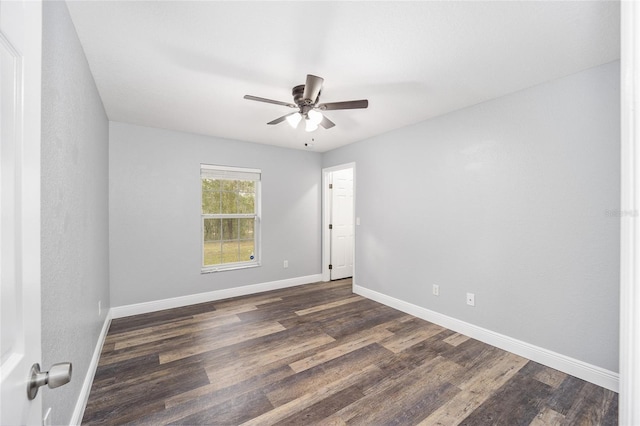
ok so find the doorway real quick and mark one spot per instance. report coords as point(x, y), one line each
point(338, 233)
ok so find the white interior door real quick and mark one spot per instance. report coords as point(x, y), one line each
point(341, 224)
point(20, 64)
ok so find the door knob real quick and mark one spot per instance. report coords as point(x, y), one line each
point(58, 375)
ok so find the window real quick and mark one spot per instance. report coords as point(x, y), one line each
point(230, 217)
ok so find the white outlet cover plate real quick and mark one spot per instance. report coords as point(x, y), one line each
point(471, 299)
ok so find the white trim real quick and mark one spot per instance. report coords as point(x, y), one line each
point(81, 403)
point(629, 409)
point(176, 302)
point(230, 267)
point(326, 206)
point(326, 244)
point(229, 168)
point(599, 376)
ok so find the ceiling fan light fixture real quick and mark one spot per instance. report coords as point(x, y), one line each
point(309, 125)
point(315, 117)
point(305, 102)
point(294, 119)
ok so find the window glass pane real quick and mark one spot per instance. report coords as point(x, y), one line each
point(246, 186)
point(229, 202)
point(211, 184)
point(212, 229)
point(245, 229)
point(246, 202)
point(229, 185)
point(210, 202)
point(247, 250)
point(230, 229)
point(230, 252)
point(212, 253)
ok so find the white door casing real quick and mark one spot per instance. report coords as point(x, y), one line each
point(20, 326)
point(629, 412)
point(342, 230)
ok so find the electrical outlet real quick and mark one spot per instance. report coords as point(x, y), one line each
point(285, 264)
point(99, 307)
point(436, 290)
point(471, 299)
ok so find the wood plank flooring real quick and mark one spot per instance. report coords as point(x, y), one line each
point(318, 354)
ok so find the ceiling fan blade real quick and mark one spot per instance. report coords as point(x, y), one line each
point(281, 119)
point(363, 103)
point(269, 101)
point(312, 87)
point(326, 123)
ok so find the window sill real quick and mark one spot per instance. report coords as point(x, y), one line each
point(212, 269)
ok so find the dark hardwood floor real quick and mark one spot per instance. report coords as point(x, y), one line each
point(318, 354)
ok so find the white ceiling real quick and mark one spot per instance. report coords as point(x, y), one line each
point(187, 65)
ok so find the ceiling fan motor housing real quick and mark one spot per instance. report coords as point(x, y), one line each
point(304, 104)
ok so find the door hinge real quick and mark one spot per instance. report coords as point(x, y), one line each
point(330, 226)
point(330, 266)
point(330, 186)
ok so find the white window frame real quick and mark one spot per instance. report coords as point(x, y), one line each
point(233, 173)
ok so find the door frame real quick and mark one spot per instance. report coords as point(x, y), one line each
point(326, 215)
point(629, 387)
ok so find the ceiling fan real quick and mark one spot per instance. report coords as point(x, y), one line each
point(306, 97)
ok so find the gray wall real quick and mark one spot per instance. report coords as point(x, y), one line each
point(75, 253)
point(154, 210)
point(510, 200)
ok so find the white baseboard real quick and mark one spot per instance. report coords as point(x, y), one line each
point(591, 373)
point(192, 299)
point(81, 403)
